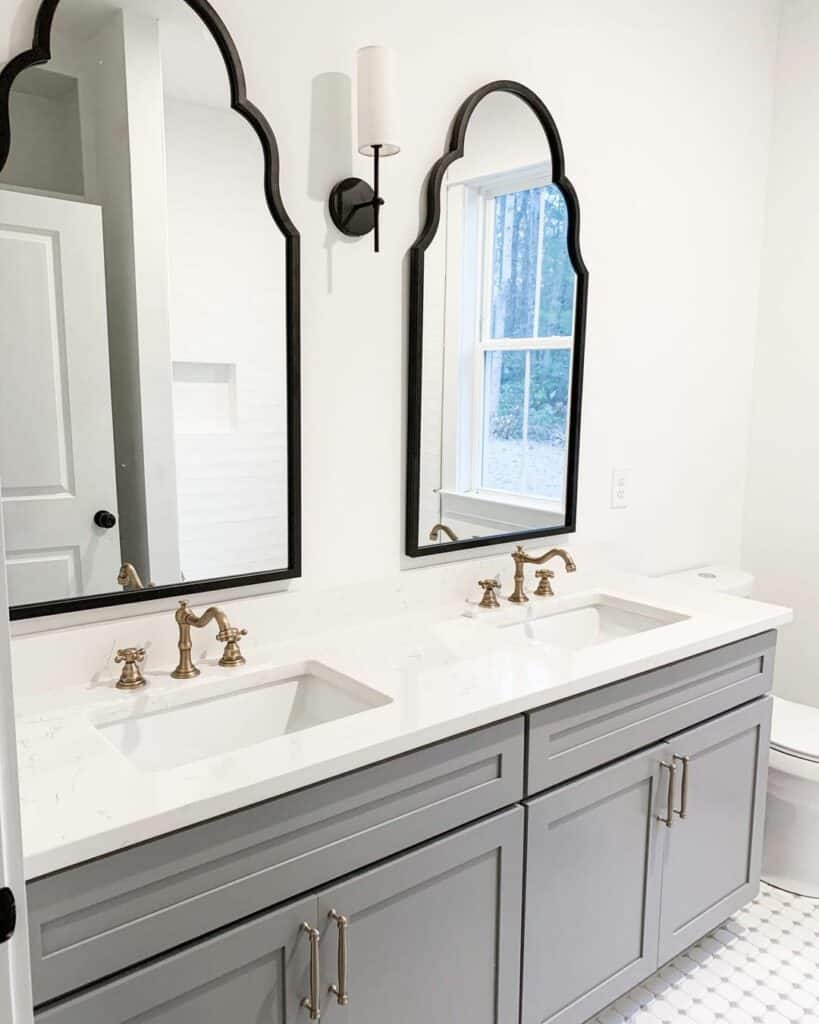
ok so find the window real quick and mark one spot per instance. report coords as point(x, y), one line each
point(517, 271)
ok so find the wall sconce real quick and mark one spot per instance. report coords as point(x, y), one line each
point(355, 207)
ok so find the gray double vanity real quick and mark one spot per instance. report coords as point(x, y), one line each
point(535, 868)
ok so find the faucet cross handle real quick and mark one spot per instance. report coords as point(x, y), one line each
point(544, 587)
point(490, 598)
point(232, 655)
point(130, 678)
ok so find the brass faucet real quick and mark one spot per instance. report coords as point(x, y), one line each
point(186, 618)
point(439, 528)
point(518, 596)
point(129, 578)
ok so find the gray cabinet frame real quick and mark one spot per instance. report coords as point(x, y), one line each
point(261, 970)
point(604, 866)
point(104, 916)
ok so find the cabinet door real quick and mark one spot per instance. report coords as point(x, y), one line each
point(713, 854)
point(251, 973)
point(592, 889)
point(433, 936)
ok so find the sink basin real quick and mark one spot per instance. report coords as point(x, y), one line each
point(290, 700)
point(599, 620)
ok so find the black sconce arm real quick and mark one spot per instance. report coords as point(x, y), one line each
point(355, 207)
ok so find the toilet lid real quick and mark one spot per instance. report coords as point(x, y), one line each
point(795, 729)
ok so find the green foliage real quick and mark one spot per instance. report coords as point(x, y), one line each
point(531, 232)
point(548, 395)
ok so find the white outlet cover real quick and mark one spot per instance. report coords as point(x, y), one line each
point(620, 487)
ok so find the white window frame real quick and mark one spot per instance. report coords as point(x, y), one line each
point(470, 210)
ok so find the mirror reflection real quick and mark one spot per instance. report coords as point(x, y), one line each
point(499, 330)
point(143, 416)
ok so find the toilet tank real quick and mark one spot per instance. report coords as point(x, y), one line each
point(724, 579)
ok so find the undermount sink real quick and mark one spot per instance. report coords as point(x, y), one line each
point(290, 700)
point(600, 620)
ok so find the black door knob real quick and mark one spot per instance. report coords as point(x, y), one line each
point(8, 915)
point(105, 520)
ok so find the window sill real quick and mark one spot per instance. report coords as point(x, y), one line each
point(500, 514)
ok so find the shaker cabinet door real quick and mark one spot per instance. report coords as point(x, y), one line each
point(430, 936)
point(254, 972)
point(592, 889)
point(713, 854)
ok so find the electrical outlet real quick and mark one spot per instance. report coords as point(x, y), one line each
point(620, 487)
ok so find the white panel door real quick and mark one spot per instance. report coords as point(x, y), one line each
point(15, 981)
point(56, 440)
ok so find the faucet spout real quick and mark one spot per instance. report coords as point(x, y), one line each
point(199, 621)
point(129, 578)
point(186, 619)
point(439, 528)
point(521, 558)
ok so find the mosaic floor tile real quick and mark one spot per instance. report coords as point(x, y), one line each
point(759, 967)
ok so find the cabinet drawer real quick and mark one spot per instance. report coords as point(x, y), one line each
point(581, 733)
point(103, 916)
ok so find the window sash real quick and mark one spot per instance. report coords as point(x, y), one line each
point(485, 343)
point(479, 436)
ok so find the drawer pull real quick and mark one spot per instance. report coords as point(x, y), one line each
point(668, 818)
point(312, 1003)
point(683, 811)
point(340, 990)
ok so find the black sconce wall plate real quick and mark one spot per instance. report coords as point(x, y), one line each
point(355, 207)
point(351, 207)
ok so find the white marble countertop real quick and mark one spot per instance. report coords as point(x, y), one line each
point(444, 671)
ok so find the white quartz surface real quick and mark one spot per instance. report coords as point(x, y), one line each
point(445, 669)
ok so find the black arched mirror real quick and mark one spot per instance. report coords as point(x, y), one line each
point(496, 332)
point(149, 314)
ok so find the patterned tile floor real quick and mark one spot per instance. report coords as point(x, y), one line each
point(760, 967)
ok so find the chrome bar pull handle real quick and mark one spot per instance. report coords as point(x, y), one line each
point(668, 818)
point(340, 990)
point(685, 761)
point(312, 1003)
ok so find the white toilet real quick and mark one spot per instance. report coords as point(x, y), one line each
point(791, 854)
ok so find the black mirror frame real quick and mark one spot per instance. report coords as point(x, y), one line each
point(434, 183)
point(40, 53)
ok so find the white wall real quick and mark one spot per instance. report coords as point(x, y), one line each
point(781, 541)
point(664, 111)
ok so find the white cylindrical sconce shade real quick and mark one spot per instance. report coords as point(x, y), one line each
point(377, 102)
